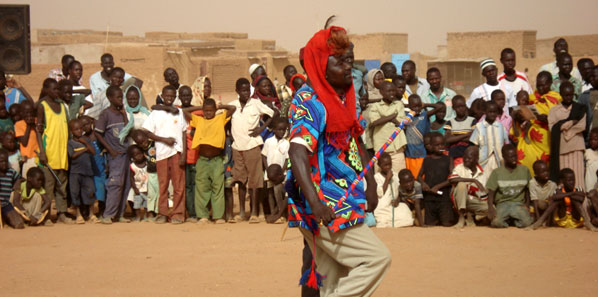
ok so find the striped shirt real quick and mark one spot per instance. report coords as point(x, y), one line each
point(7, 182)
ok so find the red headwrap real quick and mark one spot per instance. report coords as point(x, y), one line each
point(344, 123)
point(293, 78)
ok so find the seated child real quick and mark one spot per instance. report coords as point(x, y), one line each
point(81, 183)
point(433, 177)
point(153, 188)
point(469, 194)
point(276, 151)
point(9, 143)
point(410, 193)
point(390, 212)
point(541, 188)
point(139, 178)
point(30, 199)
point(6, 124)
point(276, 177)
point(507, 188)
point(8, 181)
point(458, 130)
point(490, 148)
point(25, 133)
point(566, 205)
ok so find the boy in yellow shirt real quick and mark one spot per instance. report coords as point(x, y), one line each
point(209, 140)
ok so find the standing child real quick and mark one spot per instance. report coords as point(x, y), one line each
point(433, 177)
point(153, 188)
point(567, 122)
point(508, 188)
point(30, 199)
point(489, 135)
point(276, 152)
point(541, 188)
point(247, 169)
point(9, 143)
point(6, 124)
point(108, 126)
point(168, 130)
point(415, 131)
point(390, 212)
point(81, 183)
point(566, 204)
point(8, 181)
point(591, 157)
point(139, 178)
point(52, 135)
point(209, 140)
point(25, 133)
point(98, 166)
point(385, 116)
point(458, 130)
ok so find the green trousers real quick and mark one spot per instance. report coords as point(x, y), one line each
point(209, 187)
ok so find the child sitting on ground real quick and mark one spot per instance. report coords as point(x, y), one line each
point(490, 135)
point(81, 183)
point(567, 200)
point(30, 199)
point(541, 188)
point(139, 178)
point(8, 181)
point(276, 151)
point(390, 212)
point(433, 177)
point(458, 130)
point(9, 143)
point(469, 193)
point(276, 177)
point(209, 140)
point(153, 189)
point(410, 193)
point(25, 133)
point(508, 188)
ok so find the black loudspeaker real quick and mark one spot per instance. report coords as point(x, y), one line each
point(15, 43)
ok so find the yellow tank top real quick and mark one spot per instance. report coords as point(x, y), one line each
point(56, 137)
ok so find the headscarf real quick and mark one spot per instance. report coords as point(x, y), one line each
point(316, 54)
point(256, 93)
point(130, 111)
point(293, 78)
point(197, 90)
point(373, 92)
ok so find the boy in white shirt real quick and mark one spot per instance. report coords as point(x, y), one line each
point(245, 129)
point(276, 152)
point(168, 131)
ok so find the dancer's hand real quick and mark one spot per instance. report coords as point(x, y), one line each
point(323, 214)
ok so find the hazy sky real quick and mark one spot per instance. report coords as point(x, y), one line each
point(292, 23)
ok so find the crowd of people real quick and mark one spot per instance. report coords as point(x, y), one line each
point(507, 154)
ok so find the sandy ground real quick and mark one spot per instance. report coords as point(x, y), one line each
point(145, 259)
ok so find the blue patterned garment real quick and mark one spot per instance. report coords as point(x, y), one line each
point(333, 170)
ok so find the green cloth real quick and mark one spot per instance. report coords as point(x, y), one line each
point(507, 185)
point(75, 106)
point(6, 125)
point(209, 187)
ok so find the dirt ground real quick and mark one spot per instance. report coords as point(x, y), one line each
point(145, 259)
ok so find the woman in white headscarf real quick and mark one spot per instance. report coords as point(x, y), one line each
point(374, 78)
